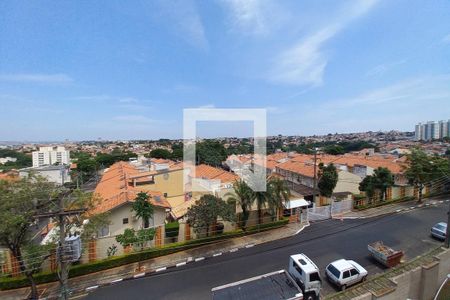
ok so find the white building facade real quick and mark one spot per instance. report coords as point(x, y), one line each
point(50, 155)
point(432, 130)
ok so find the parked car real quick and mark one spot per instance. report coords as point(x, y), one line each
point(439, 230)
point(344, 273)
point(301, 282)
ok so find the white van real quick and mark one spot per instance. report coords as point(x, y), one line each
point(306, 274)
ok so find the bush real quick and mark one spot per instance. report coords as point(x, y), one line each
point(172, 229)
point(117, 261)
point(267, 226)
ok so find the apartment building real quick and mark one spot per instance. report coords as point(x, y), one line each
point(50, 155)
point(432, 130)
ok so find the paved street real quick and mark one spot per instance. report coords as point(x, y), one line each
point(323, 242)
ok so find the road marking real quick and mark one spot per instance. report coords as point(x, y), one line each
point(139, 275)
point(412, 207)
point(199, 258)
point(91, 288)
point(234, 250)
point(217, 254)
point(180, 264)
point(428, 204)
point(398, 210)
point(161, 269)
point(447, 200)
point(249, 246)
point(117, 280)
point(441, 201)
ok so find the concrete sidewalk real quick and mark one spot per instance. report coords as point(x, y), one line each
point(392, 208)
point(83, 284)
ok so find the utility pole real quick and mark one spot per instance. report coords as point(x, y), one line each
point(315, 176)
point(447, 234)
point(62, 259)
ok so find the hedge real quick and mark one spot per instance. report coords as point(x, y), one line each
point(386, 202)
point(117, 261)
point(172, 229)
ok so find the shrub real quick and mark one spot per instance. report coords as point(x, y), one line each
point(117, 261)
point(172, 229)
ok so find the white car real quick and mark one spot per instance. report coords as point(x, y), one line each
point(344, 273)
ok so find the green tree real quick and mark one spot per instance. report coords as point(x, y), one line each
point(142, 208)
point(367, 185)
point(328, 178)
point(20, 202)
point(204, 214)
point(210, 152)
point(127, 238)
point(422, 169)
point(383, 180)
point(261, 199)
point(334, 149)
point(242, 195)
point(160, 153)
point(279, 194)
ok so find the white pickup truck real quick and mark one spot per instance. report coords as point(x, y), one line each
point(302, 281)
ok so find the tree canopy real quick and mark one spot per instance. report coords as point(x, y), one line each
point(142, 208)
point(204, 214)
point(160, 153)
point(328, 178)
point(422, 169)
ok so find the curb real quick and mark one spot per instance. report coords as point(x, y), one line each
point(422, 205)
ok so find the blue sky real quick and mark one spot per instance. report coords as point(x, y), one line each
point(127, 69)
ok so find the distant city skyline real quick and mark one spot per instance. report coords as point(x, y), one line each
point(83, 70)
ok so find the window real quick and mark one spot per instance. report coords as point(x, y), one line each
point(334, 271)
point(148, 223)
point(104, 231)
point(125, 221)
point(346, 274)
point(354, 272)
point(299, 270)
point(314, 277)
point(165, 195)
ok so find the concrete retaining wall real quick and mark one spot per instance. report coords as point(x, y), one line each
point(421, 282)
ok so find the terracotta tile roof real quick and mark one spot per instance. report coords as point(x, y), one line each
point(10, 176)
point(114, 189)
point(298, 167)
point(209, 172)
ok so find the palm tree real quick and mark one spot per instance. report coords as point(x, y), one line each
point(261, 200)
point(244, 196)
point(279, 194)
point(142, 208)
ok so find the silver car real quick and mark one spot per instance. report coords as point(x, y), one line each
point(439, 230)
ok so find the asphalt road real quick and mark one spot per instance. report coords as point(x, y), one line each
point(323, 242)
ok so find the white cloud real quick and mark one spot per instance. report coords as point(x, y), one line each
point(134, 119)
point(210, 105)
point(186, 21)
point(396, 106)
point(37, 78)
point(304, 63)
point(383, 68)
point(128, 100)
point(253, 16)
